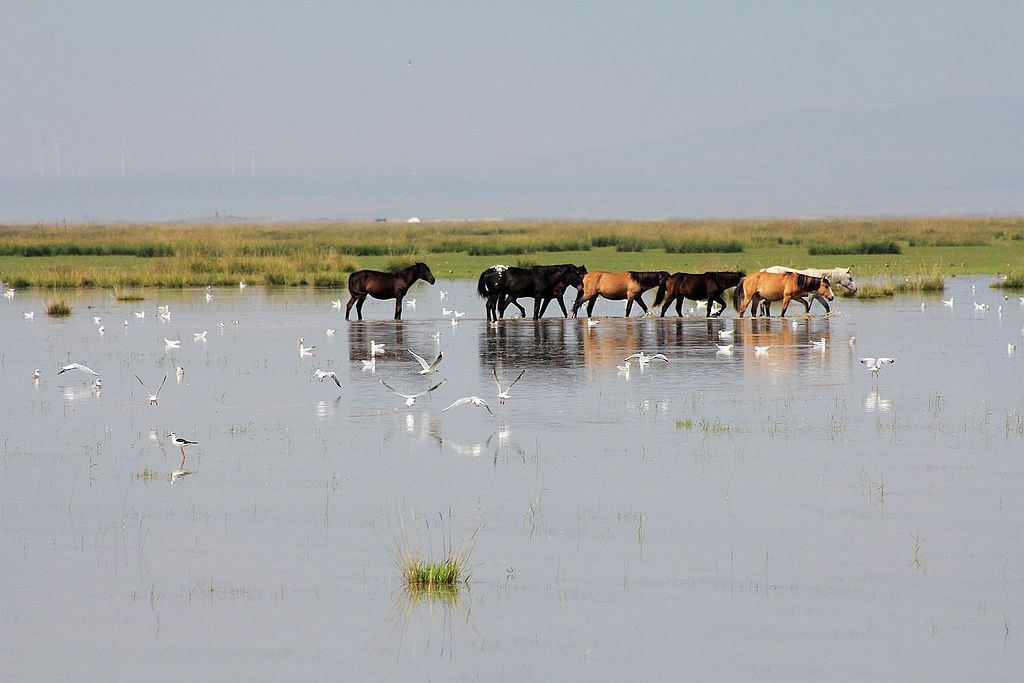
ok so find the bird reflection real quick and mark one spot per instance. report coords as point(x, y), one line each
point(875, 403)
point(327, 409)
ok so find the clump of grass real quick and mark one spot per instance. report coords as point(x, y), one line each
point(716, 427)
point(684, 424)
point(58, 308)
point(421, 572)
point(889, 247)
point(147, 475)
point(1011, 281)
point(912, 284)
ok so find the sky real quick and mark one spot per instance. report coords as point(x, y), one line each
point(352, 110)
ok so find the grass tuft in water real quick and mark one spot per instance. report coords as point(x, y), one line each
point(58, 308)
point(124, 294)
point(1011, 281)
point(147, 475)
point(423, 573)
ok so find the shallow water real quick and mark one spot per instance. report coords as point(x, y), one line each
point(781, 516)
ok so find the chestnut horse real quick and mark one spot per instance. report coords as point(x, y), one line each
point(629, 286)
point(381, 285)
point(710, 285)
point(778, 286)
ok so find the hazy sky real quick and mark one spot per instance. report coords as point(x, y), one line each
point(451, 89)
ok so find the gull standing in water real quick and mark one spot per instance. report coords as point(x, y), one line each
point(29, 315)
point(199, 336)
point(321, 375)
point(428, 368)
point(503, 394)
point(172, 343)
point(180, 372)
point(726, 334)
point(761, 350)
point(153, 398)
point(875, 364)
point(410, 399)
point(36, 374)
point(303, 349)
point(948, 303)
point(724, 349)
point(475, 400)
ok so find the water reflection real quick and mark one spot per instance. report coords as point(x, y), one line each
point(423, 618)
point(875, 403)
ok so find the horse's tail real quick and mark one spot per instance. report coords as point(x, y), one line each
point(661, 294)
point(481, 285)
point(737, 295)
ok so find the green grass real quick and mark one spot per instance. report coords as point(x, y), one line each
point(59, 308)
point(1012, 281)
point(421, 572)
point(322, 254)
point(908, 284)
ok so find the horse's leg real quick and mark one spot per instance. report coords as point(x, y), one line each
point(590, 305)
point(398, 306)
point(629, 304)
point(786, 298)
point(721, 302)
point(824, 302)
point(359, 305)
point(746, 302)
point(577, 302)
point(640, 302)
point(680, 300)
point(561, 304)
point(349, 306)
point(536, 307)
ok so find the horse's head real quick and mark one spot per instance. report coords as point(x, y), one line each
point(574, 275)
point(423, 272)
point(846, 279)
point(825, 289)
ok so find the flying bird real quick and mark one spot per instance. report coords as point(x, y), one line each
point(644, 359)
point(875, 364)
point(428, 368)
point(77, 366)
point(410, 399)
point(475, 400)
point(321, 375)
point(153, 398)
point(503, 393)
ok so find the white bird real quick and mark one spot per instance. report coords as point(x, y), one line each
point(444, 295)
point(1021, 300)
point(101, 329)
point(321, 375)
point(180, 372)
point(458, 314)
point(820, 343)
point(125, 323)
point(376, 348)
point(331, 331)
point(209, 296)
point(36, 374)
point(172, 343)
point(235, 323)
point(592, 322)
point(853, 341)
point(410, 303)
point(410, 399)
point(242, 284)
point(336, 303)
point(428, 368)
point(78, 366)
point(303, 349)
point(8, 293)
point(222, 325)
point(503, 394)
point(153, 398)
point(724, 349)
point(948, 302)
point(163, 309)
point(875, 364)
point(436, 337)
point(140, 314)
point(97, 385)
point(96, 320)
point(761, 350)
point(165, 316)
point(182, 444)
point(643, 359)
point(624, 369)
point(454, 322)
point(726, 334)
point(475, 400)
point(446, 311)
point(199, 336)
point(923, 306)
point(980, 307)
point(972, 287)
point(30, 315)
point(370, 365)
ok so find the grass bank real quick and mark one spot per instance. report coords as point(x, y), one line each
point(322, 254)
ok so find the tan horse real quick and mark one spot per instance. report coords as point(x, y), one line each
point(778, 286)
point(629, 286)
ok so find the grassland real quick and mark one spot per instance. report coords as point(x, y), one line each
point(176, 255)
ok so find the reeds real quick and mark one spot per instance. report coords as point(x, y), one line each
point(1011, 281)
point(58, 308)
point(428, 573)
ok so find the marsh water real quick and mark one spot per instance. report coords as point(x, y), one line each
point(780, 516)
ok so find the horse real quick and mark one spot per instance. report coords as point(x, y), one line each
point(709, 285)
point(778, 286)
point(503, 285)
point(382, 285)
point(840, 276)
point(629, 286)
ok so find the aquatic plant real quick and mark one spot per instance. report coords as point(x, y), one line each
point(58, 308)
point(421, 572)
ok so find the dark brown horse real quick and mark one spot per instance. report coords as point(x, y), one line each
point(777, 287)
point(502, 285)
point(629, 286)
point(381, 285)
point(697, 287)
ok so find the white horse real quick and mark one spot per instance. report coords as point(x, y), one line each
point(836, 276)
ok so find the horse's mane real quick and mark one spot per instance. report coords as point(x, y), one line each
point(807, 283)
point(647, 278)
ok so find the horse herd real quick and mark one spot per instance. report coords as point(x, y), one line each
point(502, 286)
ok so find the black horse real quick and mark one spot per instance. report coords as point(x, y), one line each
point(697, 287)
point(381, 285)
point(503, 285)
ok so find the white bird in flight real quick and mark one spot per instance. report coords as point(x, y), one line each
point(77, 366)
point(503, 393)
point(153, 398)
point(336, 303)
point(428, 368)
point(644, 359)
point(321, 375)
point(475, 400)
point(410, 399)
point(875, 364)
point(331, 331)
